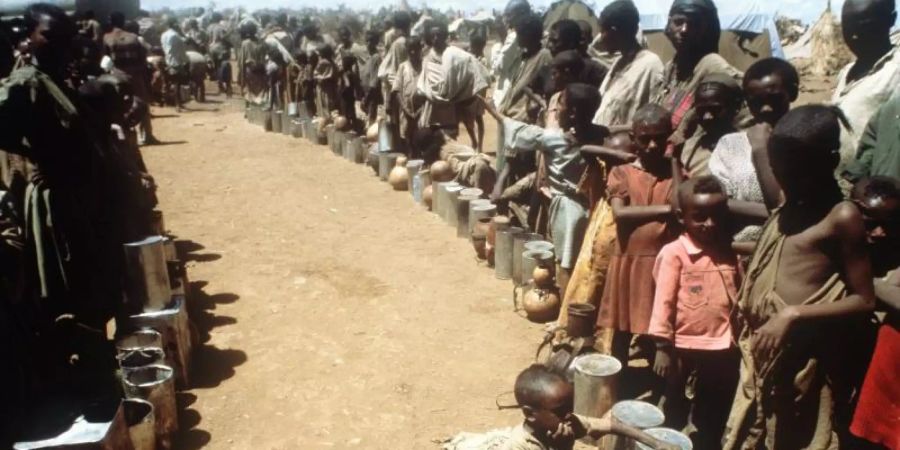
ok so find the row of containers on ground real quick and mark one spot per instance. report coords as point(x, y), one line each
point(513, 253)
point(153, 350)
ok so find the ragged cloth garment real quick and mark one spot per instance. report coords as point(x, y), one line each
point(448, 80)
point(472, 169)
point(516, 103)
point(785, 402)
point(411, 104)
point(677, 92)
point(252, 71)
point(326, 77)
point(517, 438)
point(629, 85)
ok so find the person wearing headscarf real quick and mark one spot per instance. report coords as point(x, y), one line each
point(694, 31)
point(635, 76)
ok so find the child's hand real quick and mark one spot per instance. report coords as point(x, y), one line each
point(662, 364)
point(770, 336)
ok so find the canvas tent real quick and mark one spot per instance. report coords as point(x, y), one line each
point(748, 30)
point(572, 10)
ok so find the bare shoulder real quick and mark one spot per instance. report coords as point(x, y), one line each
point(846, 220)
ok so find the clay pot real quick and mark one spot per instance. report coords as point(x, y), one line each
point(398, 178)
point(427, 196)
point(543, 277)
point(340, 123)
point(480, 245)
point(440, 172)
point(372, 133)
point(541, 306)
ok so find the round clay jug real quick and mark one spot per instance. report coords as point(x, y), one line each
point(372, 133)
point(427, 196)
point(440, 171)
point(398, 178)
point(340, 123)
point(544, 273)
point(479, 242)
point(541, 306)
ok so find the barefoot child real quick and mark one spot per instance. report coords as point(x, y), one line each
point(639, 196)
point(809, 275)
point(696, 283)
point(546, 400)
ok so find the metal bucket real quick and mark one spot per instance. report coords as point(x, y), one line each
point(338, 147)
point(472, 204)
point(285, 123)
point(635, 414)
point(478, 211)
point(503, 253)
point(156, 384)
point(99, 427)
point(296, 128)
point(348, 149)
point(141, 423)
point(413, 167)
point(462, 214)
point(267, 120)
point(595, 384)
point(329, 136)
point(668, 436)
point(372, 158)
point(292, 109)
point(582, 320)
point(386, 162)
point(147, 286)
point(519, 240)
point(530, 260)
point(473, 192)
point(139, 339)
point(159, 222)
point(142, 357)
point(362, 150)
point(384, 137)
point(277, 121)
point(172, 323)
point(452, 198)
point(439, 196)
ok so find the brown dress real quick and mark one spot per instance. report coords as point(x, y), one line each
point(628, 295)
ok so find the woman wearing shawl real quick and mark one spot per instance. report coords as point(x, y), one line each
point(694, 31)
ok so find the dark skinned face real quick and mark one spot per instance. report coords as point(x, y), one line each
point(705, 218)
point(560, 78)
point(768, 99)
point(554, 44)
point(438, 38)
point(50, 44)
point(881, 216)
point(346, 37)
point(865, 26)
point(803, 173)
point(650, 141)
point(546, 417)
point(568, 116)
point(415, 52)
point(608, 39)
point(715, 107)
point(685, 31)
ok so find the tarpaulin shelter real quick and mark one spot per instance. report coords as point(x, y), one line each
point(748, 30)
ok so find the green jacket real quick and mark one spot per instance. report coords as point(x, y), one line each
point(879, 148)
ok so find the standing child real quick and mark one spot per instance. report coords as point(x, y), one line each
point(564, 166)
point(696, 284)
point(809, 275)
point(639, 196)
point(716, 101)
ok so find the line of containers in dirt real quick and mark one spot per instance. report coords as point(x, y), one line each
point(153, 346)
point(514, 253)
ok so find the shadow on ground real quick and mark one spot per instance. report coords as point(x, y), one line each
point(211, 365)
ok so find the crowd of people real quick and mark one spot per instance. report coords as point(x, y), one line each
point(746, 248)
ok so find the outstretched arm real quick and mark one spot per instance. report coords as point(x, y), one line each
point(491, 109)
point(608, 155)
point(638, 215)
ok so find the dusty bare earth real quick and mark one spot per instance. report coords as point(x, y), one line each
point(334, 312)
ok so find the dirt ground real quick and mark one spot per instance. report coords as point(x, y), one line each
point(334, 312)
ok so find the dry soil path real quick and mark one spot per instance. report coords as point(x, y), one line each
point(334, 312)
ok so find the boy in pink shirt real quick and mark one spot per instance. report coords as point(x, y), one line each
point(697, 281)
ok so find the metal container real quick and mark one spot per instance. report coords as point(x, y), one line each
point(172, 323)
point(472, 219)
point(156, 384)
point(329, 136)
point(285, 123)
point(439, 196)
point(452, 199)
point(386, 162)
point(267, 120)
point(480, 211)
point(147, 284)
point(595, 384)
point(348, 147)
point(668, 436)
point(139, 339)
point(519, 240)
point(530, 260)
point(636, 414)
point(277, 121)
point(472, 192)
point(142, 357)
point(296, 128)
point(360, 146)
point(462, 214)
point(339, 138)
point(372, 158)
point(546, 246)
point(141, 423)
point(413, 167)
point(99, 427)
point(385, 142)
point(159, 222)
point(503, 252)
